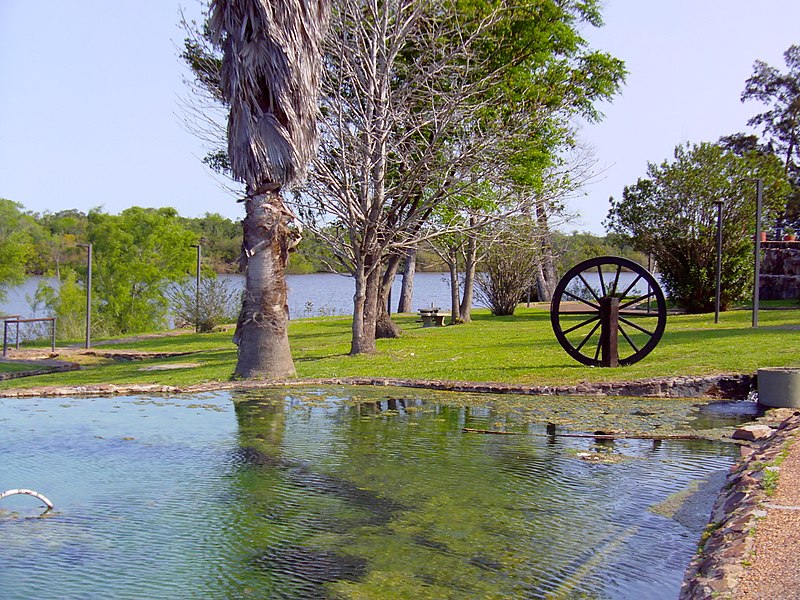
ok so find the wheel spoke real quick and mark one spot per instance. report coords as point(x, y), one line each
point(630, 287)
point(628, 338)
point(635, 326)
point(586, 339)
point(599, 346)
point(616, 280)
point(588, 287)
point(635, 301)
point(586, 302)
point(581, 324)
point(602, 281)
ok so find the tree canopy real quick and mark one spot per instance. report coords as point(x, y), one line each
point(780, 123)
point(672, 214)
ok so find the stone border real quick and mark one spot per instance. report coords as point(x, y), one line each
point(729, 386)
point(41, 368)
point(729, 539)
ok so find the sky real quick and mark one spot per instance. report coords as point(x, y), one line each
point(90, 98)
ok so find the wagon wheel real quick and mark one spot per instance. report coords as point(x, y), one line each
point(575, 311)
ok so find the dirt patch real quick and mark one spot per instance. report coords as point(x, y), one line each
point(170, 367)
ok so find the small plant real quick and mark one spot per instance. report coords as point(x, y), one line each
point(770, 481)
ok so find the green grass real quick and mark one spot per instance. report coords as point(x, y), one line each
point(516, 349)
point(11, 367)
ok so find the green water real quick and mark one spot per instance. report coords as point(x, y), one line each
point(346, 493)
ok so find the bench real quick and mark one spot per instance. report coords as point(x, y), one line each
point(431, 317)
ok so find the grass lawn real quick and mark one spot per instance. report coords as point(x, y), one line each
point(517, 349)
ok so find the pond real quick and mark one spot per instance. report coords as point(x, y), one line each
point(351, 493)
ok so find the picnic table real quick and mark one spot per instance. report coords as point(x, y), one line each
point(431, 317)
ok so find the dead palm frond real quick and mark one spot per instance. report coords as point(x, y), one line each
point(270, 77)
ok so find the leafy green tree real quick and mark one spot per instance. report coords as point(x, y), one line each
point(221, 239)
point(572, 248)
point(136, 255)
point(67, 304)
point(16, 247)
point(781, 122)
point(672, 215)
point(56, 245)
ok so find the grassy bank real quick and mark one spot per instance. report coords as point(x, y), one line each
point(518, 349)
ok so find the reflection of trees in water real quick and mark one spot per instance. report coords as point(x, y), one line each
point(386, 497)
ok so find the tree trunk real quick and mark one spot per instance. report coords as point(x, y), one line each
point(384, 326)
point(452, 266)
point(470, 263)
point(262, 327)
point(545, 275)
point(407, 291)
point(365, 313)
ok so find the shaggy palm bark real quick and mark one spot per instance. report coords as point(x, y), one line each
point(262, 327)
point(269, 77)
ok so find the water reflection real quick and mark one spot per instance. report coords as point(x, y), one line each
point(347, 493)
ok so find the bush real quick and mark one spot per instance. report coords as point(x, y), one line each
point(219, 303)
point(509, 268)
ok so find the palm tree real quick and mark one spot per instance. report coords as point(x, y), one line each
point(270, 76)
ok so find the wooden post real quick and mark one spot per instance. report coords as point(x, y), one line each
point(609, 326)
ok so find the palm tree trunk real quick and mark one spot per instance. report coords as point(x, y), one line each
point(262, 328)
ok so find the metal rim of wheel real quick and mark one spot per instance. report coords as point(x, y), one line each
point(583, 349)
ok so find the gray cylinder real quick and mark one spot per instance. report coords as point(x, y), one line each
point(779, 387)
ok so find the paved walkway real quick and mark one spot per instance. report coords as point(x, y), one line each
point(775, 571)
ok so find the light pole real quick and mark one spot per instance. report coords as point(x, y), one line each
point(197, 290)
point(88, 292)
point(757, 262)
point(720, 204)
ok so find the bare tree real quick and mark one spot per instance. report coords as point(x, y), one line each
point(269, 79)
point(399, 136)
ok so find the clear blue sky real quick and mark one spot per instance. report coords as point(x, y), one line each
point(90, 116)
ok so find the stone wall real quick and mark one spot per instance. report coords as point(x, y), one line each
point(780, 271)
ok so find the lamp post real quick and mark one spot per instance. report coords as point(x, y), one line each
point(720, 204)
point(88, 292)
point(757, 262)
point(197, 290)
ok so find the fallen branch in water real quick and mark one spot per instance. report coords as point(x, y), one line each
point(597, 436)
point(468, 430)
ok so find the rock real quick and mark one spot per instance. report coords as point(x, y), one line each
point(752, 432)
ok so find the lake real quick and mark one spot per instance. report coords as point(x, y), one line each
point(350, 493)
point(317, 294)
